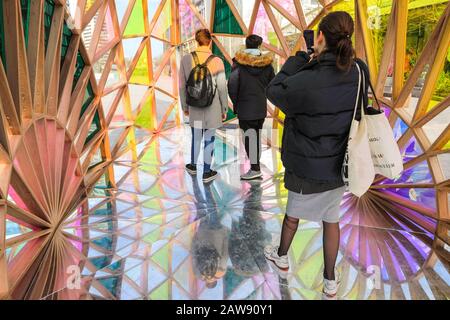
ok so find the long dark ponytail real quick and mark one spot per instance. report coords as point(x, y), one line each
point(337, 28)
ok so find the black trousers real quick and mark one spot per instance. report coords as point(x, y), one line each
point(252, 140)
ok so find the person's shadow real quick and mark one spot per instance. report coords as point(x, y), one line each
point(210, 242)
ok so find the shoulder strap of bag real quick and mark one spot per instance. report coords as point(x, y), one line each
point(359, 91)
point(370, 85)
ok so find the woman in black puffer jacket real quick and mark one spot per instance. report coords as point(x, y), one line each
point(318, 98)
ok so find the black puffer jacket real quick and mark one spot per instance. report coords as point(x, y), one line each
point(318, 100)
point(247, 84)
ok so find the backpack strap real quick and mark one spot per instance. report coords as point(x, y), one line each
point(195, 56)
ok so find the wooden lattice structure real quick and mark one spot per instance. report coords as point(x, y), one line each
point(83, 82)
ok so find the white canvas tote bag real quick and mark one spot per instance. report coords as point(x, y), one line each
point(358, 169)
point(386, 156)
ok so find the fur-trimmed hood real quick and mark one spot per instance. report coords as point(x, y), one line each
point(250, 60)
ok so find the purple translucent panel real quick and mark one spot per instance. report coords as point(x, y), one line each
point(399, 128)
point(424, 196)
point(416, 174)
point(387, 110)
point(411, 149)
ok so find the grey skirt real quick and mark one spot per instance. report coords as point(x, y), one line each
point(323, 206)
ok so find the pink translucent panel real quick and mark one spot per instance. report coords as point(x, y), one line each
point(189, 22)
point(264, 28)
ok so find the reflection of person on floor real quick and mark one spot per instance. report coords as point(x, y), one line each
point(318, 98)
point(204, 120)
point(252, 73)
point(248, 235)
point(210, 242)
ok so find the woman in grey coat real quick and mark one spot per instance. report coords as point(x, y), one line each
point(204, 121)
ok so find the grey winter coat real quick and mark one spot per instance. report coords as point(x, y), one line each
point(209, 117)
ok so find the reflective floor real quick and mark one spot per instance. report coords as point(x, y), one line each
point(165, 235)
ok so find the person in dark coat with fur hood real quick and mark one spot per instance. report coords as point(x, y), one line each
point(251, 73)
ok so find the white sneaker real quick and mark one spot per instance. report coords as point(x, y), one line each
point(331, 287)
point(271, 253)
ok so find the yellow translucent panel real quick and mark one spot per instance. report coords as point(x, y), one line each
point(145, 117)
point(89, 4)
point(162, 27)
point(140, 74)
point(136, 25)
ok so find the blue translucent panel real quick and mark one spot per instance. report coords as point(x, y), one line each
point(399, 128)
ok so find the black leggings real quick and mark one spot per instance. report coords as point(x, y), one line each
point(252, 140)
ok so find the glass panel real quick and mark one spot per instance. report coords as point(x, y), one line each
point(88, 98)
point(95, 127)
point(89, 4)
point(107, 102)
point(422, 19)
point(25, 8)
point(159, 48)
point(419, 173)
point(399, 128)
point(140, 73)
point(136, 92)
point(311, 8)
point(152, 6)
point(224, 20)
point(136, 25)
point(66, 36)
point(14, 228)
point(99, 66)
point(121, 8)
point(426, 197)
point(79, 66)
point(411, 150)
point(165, 80)
point(442, 88)
point(115, 74)
point(444, 161)
point(162, 27)
point(107, 33)
point(189, 21)
point(49, 8)
point(434, 128)
point(88, 32)
point(145, 118)
point(245, 9)
point(130, 47)
point(163, 102)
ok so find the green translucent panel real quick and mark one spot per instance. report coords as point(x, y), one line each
point(49, 9)
point(136, 24)
point(25, 7)
point(224, 20)
point(66, 36)
point(79, 66)
point(2, 35)
point(95, 127)
point(140, 73)
point(88, 97)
